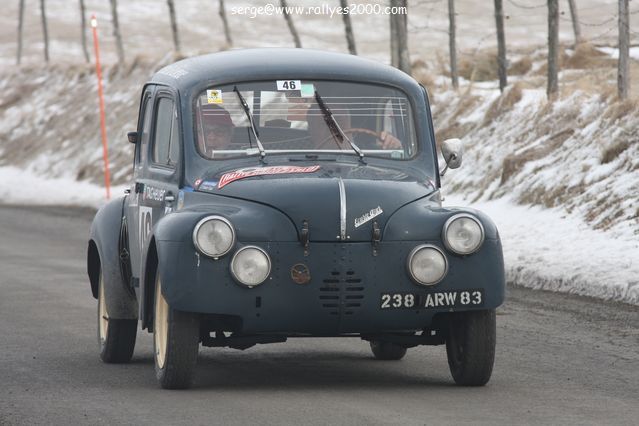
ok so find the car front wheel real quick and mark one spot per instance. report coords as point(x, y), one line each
point(470, 346)
point(176, 339)
point(116, 337)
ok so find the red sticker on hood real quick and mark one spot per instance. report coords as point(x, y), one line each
point(272, 170)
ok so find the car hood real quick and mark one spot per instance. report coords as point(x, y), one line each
point(334, 201)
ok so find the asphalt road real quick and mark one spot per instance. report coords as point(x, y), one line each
point(560, 359)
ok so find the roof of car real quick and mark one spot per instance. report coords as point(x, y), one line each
point(276, 63)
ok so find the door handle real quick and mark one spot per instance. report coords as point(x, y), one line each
point(169, 197)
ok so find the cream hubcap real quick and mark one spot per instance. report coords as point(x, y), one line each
point(103, 320)
point(160, 325)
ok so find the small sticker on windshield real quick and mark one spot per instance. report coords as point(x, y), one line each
point(214, 96)
point(289, 84)
point(307, 91)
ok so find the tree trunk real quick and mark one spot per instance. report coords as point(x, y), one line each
point(452, 44)
point(45, 31)
point(174, 27)
point(20, 25)
point(575, 21)
point(227, 30)
point(350, 38)
point(394, 45)
point(402, 38)
point(623, 81)
point(116, 30)
point(83, 33)
point(501, 45)
point(553, 47)
point(291, 26)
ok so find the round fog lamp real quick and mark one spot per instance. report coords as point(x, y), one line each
point(214, 236)
point(427, 264)
point(463, 234)
point(250, 266)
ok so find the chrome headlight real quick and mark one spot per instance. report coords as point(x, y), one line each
point(463, 234)
point(427, 264)
point(214, 236)
point(250, 266)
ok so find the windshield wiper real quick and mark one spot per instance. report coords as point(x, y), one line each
point(335, 128)
point(247, 111)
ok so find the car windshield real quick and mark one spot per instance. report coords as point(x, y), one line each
point(288, 119)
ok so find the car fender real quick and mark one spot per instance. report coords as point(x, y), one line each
point(104, 254)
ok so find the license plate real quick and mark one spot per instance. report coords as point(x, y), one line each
point(440, 299)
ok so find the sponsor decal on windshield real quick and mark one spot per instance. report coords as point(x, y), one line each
point(262, 171)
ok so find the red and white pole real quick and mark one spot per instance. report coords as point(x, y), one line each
point(98, 70)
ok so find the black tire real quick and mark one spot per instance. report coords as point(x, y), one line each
point(470, 346)
point(116, 337)
point(176, 340)
point(387, 351)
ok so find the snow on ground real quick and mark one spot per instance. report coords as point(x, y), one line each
point(543, 248)
point(550, 250)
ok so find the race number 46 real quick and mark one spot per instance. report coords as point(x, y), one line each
point(289, 85)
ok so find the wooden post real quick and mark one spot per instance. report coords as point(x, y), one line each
point(553, 47)
point(623, 81)
point(20, 25)
point(174, 27)
point(116, 31)
point(452, 44)
point(45, 31)
point(576, 27)
point(227, 30)
point(501, 45)
point(291, 25)
point(83, 32)
point(348, 28)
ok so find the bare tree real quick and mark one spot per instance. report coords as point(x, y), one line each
point(400, 56)
point(452, 44)
point(45, 30)
point(501, 45)
point(350, 37)
point(394, 45)
point(116, 30)
point(553, 47)
point(83, 30)
point(174, 28)
point(227, 30)
point(20, 24)
point(575, 21)
point(623, 82)
point(291, 26)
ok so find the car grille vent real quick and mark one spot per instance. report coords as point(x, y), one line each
point(341, 293)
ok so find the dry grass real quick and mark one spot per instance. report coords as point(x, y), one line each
point(621, 109)
point(504, 103)
point(614, 150)
point(587, 56)
point(521, 66)
point(422, 74)
point(514, 163)
point(479, 67)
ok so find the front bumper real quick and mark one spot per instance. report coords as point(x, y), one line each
point(343, 295)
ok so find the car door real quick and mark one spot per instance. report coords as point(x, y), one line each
point(160, 181)
point(134, 218)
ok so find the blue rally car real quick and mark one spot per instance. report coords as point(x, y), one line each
point(282, 193)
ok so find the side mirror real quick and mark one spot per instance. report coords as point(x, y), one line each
point(452, 151)
point(133, 137)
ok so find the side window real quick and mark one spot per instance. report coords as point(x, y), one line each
point(145, 130)
point(164, 122)
point(174, 150)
